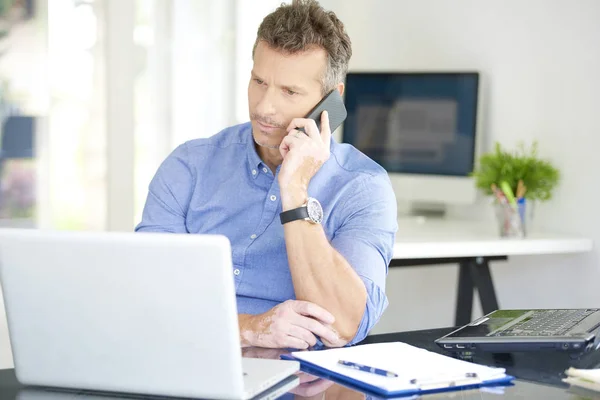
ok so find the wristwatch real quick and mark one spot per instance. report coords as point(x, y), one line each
point(310, 211)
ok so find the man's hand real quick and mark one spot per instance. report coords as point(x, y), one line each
point(292, 324)
point(303, 153)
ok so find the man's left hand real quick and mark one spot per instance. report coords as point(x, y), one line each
point(303, 155)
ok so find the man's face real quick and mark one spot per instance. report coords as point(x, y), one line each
point(282, 87)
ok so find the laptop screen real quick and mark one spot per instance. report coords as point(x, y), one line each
point(487, 325)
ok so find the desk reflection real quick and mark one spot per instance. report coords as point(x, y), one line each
point(310, 387)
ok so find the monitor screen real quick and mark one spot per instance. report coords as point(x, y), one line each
point(414, 123)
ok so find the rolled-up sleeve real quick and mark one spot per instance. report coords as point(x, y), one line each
point(169, 195)
point(366, 240)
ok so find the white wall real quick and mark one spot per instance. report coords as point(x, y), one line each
point(541, 62)
point(202, 53)
point(249, 15)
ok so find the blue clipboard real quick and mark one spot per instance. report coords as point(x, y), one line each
point(324, 373)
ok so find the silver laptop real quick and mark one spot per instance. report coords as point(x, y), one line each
point(139, 313)
point(574, 330)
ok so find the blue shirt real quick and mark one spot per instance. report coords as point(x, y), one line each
point(219, 185)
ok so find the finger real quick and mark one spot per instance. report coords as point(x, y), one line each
point(309, 126)
point(290, 141)
point(325, 128)
point(302, 334)
point(317, 328)
point(285, 146)
point(312, 310)
point(296, 134)
point(295, 343)
point(283, 150)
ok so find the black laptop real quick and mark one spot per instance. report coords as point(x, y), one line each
point(524, 330)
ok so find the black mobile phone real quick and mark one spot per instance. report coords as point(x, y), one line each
point(334, 105)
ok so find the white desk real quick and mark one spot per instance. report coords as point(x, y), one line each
point(472, 245)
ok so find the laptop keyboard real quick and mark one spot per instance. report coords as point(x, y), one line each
point(547, 323)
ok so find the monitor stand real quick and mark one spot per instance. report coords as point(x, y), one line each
point(425, 210)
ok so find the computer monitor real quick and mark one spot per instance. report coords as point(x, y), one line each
point(422, 127)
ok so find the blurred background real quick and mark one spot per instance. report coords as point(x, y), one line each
point(95, 93)
point(111, 87)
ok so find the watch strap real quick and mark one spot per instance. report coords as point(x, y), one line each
point(294, 214)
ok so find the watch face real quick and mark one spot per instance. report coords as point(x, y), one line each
point(315, 211)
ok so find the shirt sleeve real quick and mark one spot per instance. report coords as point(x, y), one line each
point(366, 240)
point(169, 195)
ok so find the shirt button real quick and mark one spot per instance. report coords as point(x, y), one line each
point(236, 271)
point(253, 172)
point(253, 236)
point(265, 170)
point(273, 197)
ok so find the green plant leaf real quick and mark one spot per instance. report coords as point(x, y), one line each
point(539, 176)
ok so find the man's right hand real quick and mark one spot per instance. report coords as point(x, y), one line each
point(291, 324)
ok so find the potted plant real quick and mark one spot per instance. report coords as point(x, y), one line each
point(516, 180)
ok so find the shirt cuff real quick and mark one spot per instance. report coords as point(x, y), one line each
point(377, 302)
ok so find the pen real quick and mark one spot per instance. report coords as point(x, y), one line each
point(366, 368)
point(499, 195)
point(502, 200)
point(449, 382)
point(521, 205)
point(521, 189)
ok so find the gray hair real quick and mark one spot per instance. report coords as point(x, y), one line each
point(296, 27)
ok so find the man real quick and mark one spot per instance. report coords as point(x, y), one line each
point(297, 280)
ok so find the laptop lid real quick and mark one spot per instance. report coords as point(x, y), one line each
point(535, 329)
point(124, 312)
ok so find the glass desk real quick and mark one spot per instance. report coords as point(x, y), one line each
point(539, 376)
